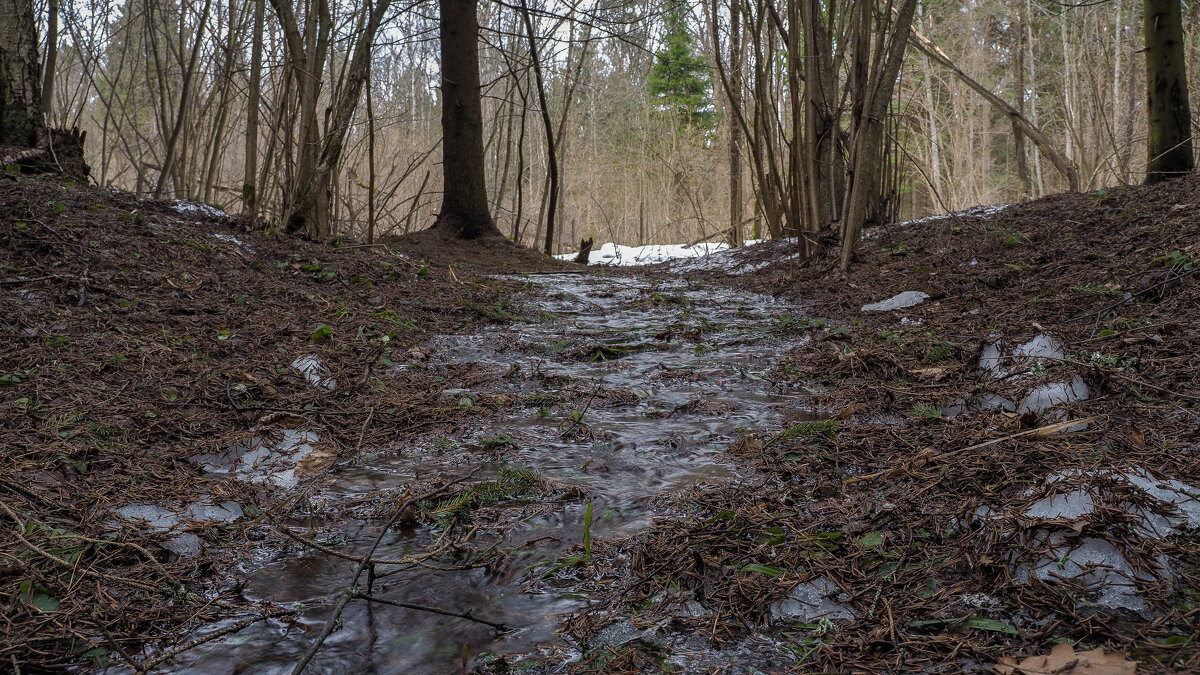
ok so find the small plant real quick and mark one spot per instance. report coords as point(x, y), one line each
point(1176, 260)
point(936, 353)
point(510, 483)
point(1097, 290)
point(927, 412)
point(587, 533)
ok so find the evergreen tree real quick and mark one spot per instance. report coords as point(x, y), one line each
point(680, 80)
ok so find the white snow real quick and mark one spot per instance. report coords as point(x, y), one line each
point(973, 212)
point(704, 256)
point(233, 240)
point(898, 301)
point(616, 254)
point(315, 372)
point(196, 208)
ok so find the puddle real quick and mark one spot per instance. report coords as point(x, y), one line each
point(620, 388)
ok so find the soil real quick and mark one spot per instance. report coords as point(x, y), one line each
point(743, 439)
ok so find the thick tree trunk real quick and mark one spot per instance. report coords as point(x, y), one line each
point(20, 90)
point(1168, 118)
point(464, 208)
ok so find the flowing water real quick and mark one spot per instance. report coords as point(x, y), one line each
point(692, 365)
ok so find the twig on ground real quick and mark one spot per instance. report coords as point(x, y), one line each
point(332, 623)
point(228, 630)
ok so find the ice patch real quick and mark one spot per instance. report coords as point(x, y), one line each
point(226, 512)
point(32, 297)
point(1182, 497)
point(898, 301)
point(1099, 565)
point(189, 207)
point(220, 236)
point(973, 212)
point(1070, 506)
point(1042, 346)
point(317, 374)
point(262, 461)
point(1039, 399)
point(185, 545)
point(151, 516)
point(811, 601)
point(617, 634)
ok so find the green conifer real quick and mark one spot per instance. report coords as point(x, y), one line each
point(680, 81)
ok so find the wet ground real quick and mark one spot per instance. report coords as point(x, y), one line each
point(981, 443)
point(617, 390)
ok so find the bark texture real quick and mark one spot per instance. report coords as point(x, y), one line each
point(20, 90)
point(464, 191)
point(1168, 118)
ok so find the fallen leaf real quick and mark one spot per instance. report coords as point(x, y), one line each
point(934, 373)
point(1136, 437)
point(1062, 660)
point(747, 445)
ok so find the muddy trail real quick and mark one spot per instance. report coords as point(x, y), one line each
point(980, 446)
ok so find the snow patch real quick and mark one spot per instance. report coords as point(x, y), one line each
point(704, 256)
point(191, 208)
point(315, 372)
point(233, 240)
point(811, 601)
point(898, 301)
point(973, 212)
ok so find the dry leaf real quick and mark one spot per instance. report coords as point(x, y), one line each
point(1062, 660)
point(316, 462)
point(1136, 438)
point(934, 373)
point(747, 445)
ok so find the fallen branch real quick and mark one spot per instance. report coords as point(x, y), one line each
point(21, 527)
point(352, 590)
point(927, 455)
point(228, 630)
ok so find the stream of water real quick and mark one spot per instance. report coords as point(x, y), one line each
point(693, 360)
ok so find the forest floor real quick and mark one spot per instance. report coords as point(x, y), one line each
point(713, 465)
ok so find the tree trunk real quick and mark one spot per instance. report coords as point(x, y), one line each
point(20, 91)
point(1168, 118)
point(1064, 166)
point(464, 210)
point(249, 185)
point(1018, 132)
point(734, 97)
point(869, 130)
point(51, 61)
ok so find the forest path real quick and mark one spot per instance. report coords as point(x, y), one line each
point(614, 389)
